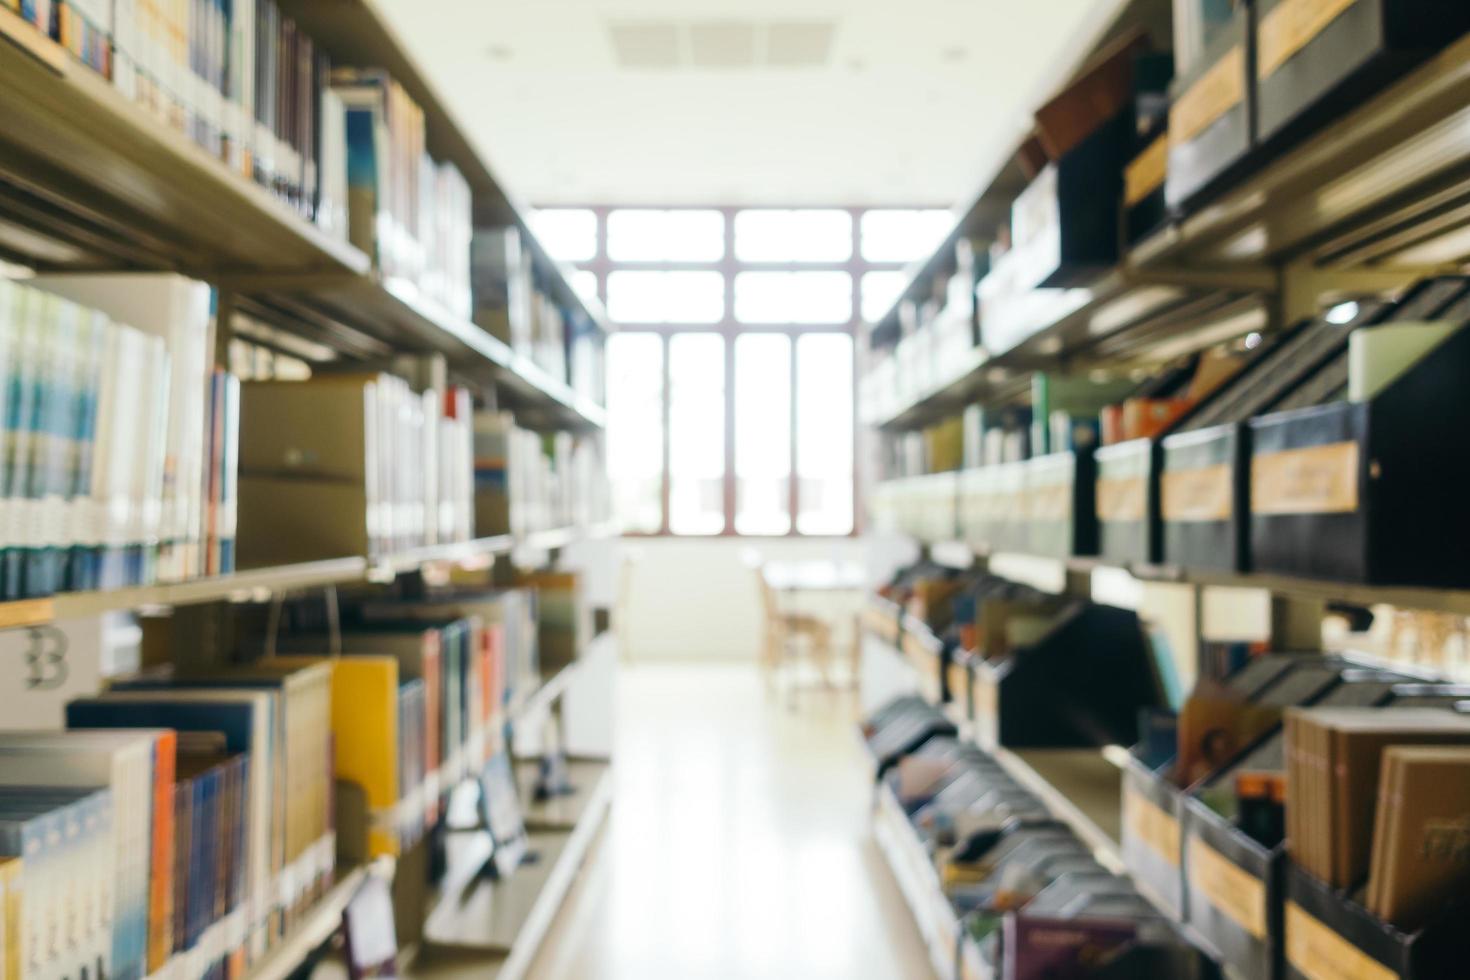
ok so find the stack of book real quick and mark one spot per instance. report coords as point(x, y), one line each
point(351, 464)
point(280, 715)
point(120, 466)
point(90, 814)
point(530, 481)
point(1373, 796)
point(514, 302)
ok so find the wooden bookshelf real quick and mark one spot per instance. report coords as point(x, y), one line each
point(1370, 203)
point(90, 181)
point(316, 927)
point(1044, 571)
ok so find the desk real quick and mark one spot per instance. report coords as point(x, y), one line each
point(815, 576)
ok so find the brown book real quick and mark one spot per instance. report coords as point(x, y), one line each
point(1385, 826)
point(1426, 860)
point(1348, 779)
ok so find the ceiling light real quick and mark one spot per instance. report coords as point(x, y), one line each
point(1342, 313)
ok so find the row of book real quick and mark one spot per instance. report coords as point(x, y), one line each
point(1020, 895)
point(514, 302)
point(120, 459)
point(352, 463)
point(188, 818)
point(345, 147)
point(1334, 774)
point(529, 481)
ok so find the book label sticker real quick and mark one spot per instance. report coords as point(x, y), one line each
point(1291, 26)
point(1122, 498)
point(1238, 894)
point(1215, 93)
point(1318, 953)
point(1147, 172)
point(1313, 480)
point(1144, 820)
point(1198, 495)
point(1048, 503)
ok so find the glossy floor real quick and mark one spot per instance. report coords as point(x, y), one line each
point(737, 846)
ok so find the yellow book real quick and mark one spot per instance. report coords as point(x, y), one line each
point(10, 898)
point(364, 713)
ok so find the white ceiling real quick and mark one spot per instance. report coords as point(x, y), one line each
point(745, 101)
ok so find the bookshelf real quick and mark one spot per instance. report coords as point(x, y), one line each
point(92, 182)
point(97, 183)
point(1360, 198)
point(1366, 204)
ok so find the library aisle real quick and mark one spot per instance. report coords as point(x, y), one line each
point(738, 844)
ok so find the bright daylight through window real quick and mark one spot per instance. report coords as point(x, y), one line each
point(730, 377)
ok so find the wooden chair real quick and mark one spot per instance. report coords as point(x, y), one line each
point(785, 631)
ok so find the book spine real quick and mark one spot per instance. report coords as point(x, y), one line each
point(81, 532)
point(160, 891)
point(13, 300)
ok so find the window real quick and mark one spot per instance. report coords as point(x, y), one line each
point(665, 297)
point(824, 413)
point(635, 445)
point(730, 378)
point(793, 236)
point(903, 236)
point(696, 433)
point(584, 281)
point(880, 291)
point(793, 297)
point(569, 234)
point(763, 434)
point(641, 235)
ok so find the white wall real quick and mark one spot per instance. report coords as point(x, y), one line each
point(696, 598)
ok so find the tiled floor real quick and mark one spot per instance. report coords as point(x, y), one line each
point(737, 846)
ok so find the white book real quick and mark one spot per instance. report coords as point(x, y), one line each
point(267, 777)
point(178, 310)
point(123, 762)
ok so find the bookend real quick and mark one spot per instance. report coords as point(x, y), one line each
point(1203, 498)
point(1234, 886)
point(1082, 684)
point(1212, 123)
point(1127, 501)
point(1371, 492)
point(1350, 58)
point(1152, 841)
point(1042, 506)
point(1324, 927)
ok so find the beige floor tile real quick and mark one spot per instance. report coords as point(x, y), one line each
point(738, 844)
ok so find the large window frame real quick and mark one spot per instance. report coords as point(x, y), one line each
point(729, 328)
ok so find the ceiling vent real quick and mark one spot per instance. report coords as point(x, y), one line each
point(799, 44)
point(646, 43)
point(722, 45)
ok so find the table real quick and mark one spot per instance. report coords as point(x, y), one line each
point(815, 575)
point(791, 578)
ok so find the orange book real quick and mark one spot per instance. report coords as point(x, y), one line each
point(161, 873)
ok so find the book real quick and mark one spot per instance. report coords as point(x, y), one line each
point(1422, 834)
point(1334, 763)
point(247, 722)
point(10, 917)
point(180, 312)
point(367, 738)
point(65, 837)
point(127, 763)
point(303, 848)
